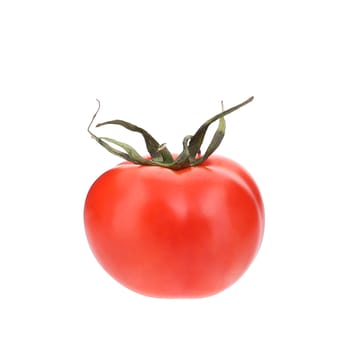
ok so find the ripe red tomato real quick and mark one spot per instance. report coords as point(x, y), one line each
point(184, 226)
point(175, 233)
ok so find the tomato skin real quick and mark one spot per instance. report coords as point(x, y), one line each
point(175, 234)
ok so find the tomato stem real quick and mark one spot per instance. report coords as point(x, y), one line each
point(160, 155)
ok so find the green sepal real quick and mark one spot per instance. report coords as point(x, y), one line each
point(160, 155)
point(151, 144)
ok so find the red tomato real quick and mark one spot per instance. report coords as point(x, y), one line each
point(175, 233)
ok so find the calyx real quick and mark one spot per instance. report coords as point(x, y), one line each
point(160, 155)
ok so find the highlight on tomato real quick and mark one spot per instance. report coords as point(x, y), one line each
point(166, 226)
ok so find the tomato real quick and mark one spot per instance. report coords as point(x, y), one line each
point(165, 233)
point(184, 226)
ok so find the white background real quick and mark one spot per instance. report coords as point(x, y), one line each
point(166, 66)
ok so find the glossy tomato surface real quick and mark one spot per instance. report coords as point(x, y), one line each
point(175, 233)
